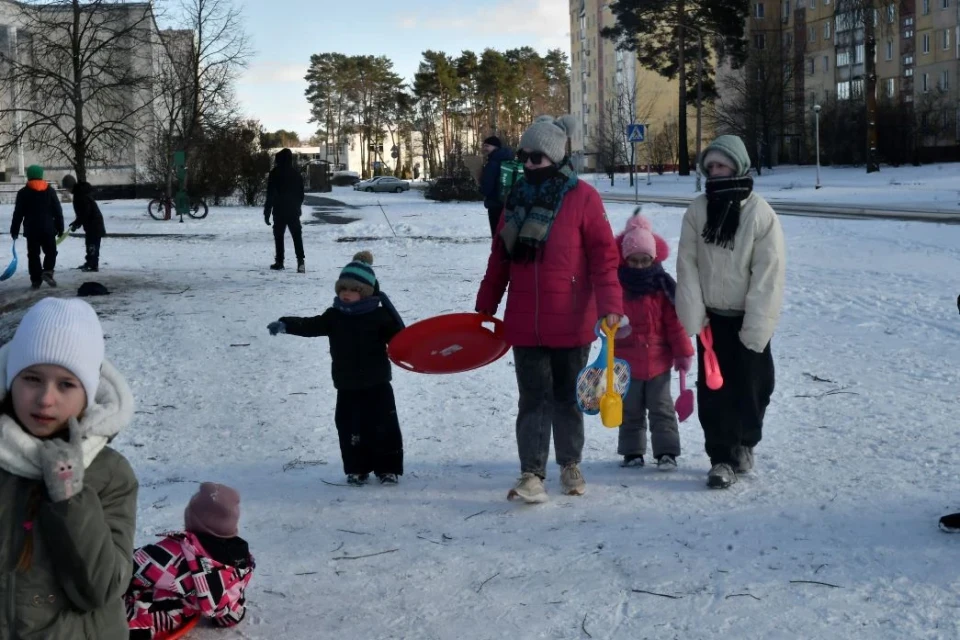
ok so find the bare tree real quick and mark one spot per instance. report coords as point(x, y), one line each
point(78, 81)
point(630, 104)
point(664, 147)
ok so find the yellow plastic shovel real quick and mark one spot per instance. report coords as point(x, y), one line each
point(611, 404)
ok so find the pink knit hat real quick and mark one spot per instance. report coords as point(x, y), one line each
point(638, 237)
point(214, 509)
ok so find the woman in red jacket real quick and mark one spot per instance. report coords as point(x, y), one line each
point(556, 250)
point(657, 342)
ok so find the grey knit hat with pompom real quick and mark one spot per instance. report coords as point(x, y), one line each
point(549, 136)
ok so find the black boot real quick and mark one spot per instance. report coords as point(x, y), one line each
point(277, 266)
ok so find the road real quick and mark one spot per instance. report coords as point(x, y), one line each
point(818, 210)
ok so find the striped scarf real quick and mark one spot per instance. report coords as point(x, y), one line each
point(530, 213)
point(724, 196)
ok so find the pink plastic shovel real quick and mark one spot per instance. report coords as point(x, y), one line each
point(711, 366)
point(684, 404)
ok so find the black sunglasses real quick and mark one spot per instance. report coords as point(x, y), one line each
point(535, 157)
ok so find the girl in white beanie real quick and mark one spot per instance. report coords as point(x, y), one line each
point(68, 499)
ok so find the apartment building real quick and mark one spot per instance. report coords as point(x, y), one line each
point(602, 76)
point(129, 160)
point(917, 62)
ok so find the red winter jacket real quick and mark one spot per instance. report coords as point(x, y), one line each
point(555, 300)
point(658, 336)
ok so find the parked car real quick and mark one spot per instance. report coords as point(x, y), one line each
point(446, 189)
point(382, 184)
point(344, 178)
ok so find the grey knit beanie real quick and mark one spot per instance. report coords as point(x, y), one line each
point(728, 150)
point(549, 136)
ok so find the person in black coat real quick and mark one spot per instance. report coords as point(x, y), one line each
point(490, 179)
point(89, 217)
point(360, 324)
point(39, 212)
point(284, 198)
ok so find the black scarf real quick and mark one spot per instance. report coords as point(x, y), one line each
point(724, 196)
point(643, 282)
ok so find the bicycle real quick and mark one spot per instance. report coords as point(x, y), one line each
point(160, 208)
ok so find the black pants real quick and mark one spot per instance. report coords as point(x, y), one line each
point(732, 416)
point(494, 213)
point(279, 227)
point(369, 430)
point(93, 250)
point(36, 244)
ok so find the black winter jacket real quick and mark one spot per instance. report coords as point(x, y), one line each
point(358, 344)
point(284, 190)
point(87, 211)
point(38, 210)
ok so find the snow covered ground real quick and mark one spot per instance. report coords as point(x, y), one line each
point(851, 476)
point(930, 187)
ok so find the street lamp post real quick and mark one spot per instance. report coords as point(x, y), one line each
point(699, 103)
point(816, 135)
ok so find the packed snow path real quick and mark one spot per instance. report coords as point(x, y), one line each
point(834, 535)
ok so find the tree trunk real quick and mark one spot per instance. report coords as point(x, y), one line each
point(870, 86)
point(79, 137)
point(683, 153)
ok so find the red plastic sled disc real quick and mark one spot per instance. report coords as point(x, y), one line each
point(450, 343)
point(181, 632)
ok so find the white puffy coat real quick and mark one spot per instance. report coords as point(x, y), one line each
point(749, 278)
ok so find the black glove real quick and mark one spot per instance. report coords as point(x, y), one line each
point(14, 235)
point(266, 218)
point(74, 226)
point(277, 327)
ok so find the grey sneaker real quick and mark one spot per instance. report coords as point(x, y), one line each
point(667, 462)
point(529, 488)
point(571, 480)
point(632, 460)
point(357, 479)
point(744, 456)
point(721, 476)
point(301, 268)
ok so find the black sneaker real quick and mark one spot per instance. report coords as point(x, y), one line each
point(35, 285)
point(301, 268)
point(357, 479)
point(950, 523)
point(277, 266)
point(89, 268)
point(744, 460)
point(48, 278)
point(632, 460)
point(388, 478)
point(667, 462)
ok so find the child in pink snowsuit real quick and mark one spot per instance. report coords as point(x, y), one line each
point(656, 342)
point(202, 571)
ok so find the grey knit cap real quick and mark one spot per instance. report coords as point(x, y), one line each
point(549, 136)
point(734, 155)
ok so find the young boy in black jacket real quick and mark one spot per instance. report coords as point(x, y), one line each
point(89, 217)
point(38, 210)
point(360, 324)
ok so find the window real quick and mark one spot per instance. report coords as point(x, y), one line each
point(811, 35)
point(826, 30)
point(758, 9)
point(890, 87)
point(926, 7)
point(889, 50)
point(891, 13)
point(908, 22)
point(907, 60)
point(843, 91)
point(789, 40)
point(858, 54)
point(843, 58)
point(759, 41)
point(813, 4)
point(786, 10)
point(926, 43)
point(945, 39)
point(945, 4)
point(826, 64)
point(811, 65)
point(926, 83)
point(908, 73)
point(944, 80)
point(908, 34)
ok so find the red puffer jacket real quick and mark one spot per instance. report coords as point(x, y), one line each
point(658, 336)
point(555, 300)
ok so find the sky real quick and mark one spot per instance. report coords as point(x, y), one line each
point(272, 87)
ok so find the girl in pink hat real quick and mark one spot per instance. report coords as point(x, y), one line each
point(656, 342)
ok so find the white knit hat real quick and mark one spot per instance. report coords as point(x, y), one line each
point(64, 332)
